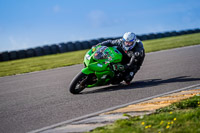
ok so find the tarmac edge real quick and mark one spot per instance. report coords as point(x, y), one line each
point(108, 116)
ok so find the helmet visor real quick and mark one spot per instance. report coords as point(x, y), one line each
point(127, 43)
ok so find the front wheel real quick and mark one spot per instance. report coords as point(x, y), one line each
point(78, 83)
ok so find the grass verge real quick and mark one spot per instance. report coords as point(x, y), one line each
point(180, 117)
point(71, 58)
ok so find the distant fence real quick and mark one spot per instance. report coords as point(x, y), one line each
point(79, 45)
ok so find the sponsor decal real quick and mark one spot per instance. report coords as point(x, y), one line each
point(103, 77)
point(99, 65)
point(106, 62)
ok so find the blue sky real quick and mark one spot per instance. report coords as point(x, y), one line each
point(31, 23)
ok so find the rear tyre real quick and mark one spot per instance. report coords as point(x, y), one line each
point(78, 83)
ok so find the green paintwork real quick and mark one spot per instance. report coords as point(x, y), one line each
point(97, 62)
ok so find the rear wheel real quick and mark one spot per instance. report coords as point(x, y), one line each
point(78, 83)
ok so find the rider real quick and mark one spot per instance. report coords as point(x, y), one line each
point(133, 54)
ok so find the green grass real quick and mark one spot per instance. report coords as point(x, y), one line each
point(41, 63)
point(71, 58)
point(172, 42)
point(181, 117)
point(193, 102)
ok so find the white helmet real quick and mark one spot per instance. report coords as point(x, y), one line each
point(129, 38)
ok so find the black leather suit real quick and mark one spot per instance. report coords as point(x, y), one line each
point(132, 60)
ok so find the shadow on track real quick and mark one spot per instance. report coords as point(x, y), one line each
point(142, 84)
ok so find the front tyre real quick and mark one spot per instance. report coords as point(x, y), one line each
point(78, 83)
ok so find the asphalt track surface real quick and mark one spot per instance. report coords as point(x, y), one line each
point(39, 99)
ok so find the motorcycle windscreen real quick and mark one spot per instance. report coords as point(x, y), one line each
point(102, 53)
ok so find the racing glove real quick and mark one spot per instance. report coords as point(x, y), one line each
point(118, 67)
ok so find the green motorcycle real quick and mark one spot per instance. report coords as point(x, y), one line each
point(98, 69)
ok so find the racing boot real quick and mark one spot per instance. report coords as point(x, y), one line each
point(129, 77)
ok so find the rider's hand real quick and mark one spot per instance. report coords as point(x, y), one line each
point(118, 67)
